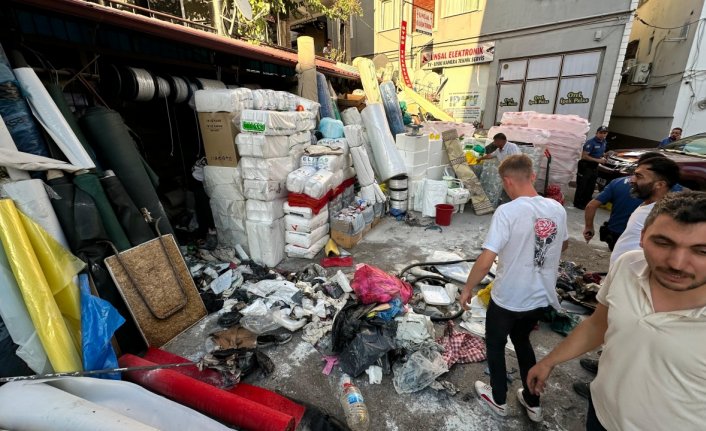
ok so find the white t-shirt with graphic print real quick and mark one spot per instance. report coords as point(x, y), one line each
point(527, 234)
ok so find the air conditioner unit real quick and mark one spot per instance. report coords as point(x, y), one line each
point(628, 66)
point(640, 73)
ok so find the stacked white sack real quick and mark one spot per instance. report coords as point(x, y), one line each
point(224, 187)
point(387, 158)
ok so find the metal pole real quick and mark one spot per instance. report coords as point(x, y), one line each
point(94, 372)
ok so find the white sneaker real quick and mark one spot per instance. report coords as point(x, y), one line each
point(534, 413)
point(486, 394)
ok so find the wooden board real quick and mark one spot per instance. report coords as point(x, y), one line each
point(160, 308)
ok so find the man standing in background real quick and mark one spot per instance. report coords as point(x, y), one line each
point(673, 137)
point(593, 153)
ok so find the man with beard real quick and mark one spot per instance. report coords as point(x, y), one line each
point(652, 180)
point(651, 320)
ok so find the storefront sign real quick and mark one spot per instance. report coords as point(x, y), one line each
point(403, 50)
point(423, 21)
point(573, 97)
point(539, 99)
point(461, 56)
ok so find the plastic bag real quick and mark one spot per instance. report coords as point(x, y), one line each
point(420, 370)
point(372, 285)
point(371, 343)
point(99, 320)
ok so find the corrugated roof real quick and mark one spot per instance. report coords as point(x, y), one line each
point(167, 30)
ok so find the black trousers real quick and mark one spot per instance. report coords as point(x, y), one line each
point(592, 422)
point(499, 323)
point(608, 236)
point(585, 183)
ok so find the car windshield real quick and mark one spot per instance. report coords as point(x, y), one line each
point(691, 145)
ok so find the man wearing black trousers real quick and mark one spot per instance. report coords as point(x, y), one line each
point(527, 235)
point(592, 154)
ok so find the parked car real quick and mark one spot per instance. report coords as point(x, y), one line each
point(689, 153)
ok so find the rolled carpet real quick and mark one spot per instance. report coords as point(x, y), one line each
point(392, 107)
point(117, 150)
point(134, 225)
point(90, 184)
point(224, 406)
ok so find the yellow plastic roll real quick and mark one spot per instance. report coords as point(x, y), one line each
point(36, 291)
point(60, 268)
point(424, 103)
point(369, 79)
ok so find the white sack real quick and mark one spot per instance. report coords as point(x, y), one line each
point(295, 223)
point(265, 211)
point(319, 184)
point(387, 157)
point(266, 241)
point(331, 162)
point(309, 105)
point(266, 169)
point(306, 239)
point(297, 179)
point(349, 173)
point(276, 123)
point(221, 182)
point(306, 253)
point(217, 101)
point(264, 190)
point(434, 192)
point(303, 212)
point(355, 135)
point(340, 143)
point(262, 146)
point(351, 116)
point(228, 214)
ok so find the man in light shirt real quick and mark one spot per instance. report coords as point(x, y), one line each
point(651, 320)
point(504, 149)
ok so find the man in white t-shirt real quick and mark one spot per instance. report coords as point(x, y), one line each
point(527, 235)
point(651, 320)
point(653, 178)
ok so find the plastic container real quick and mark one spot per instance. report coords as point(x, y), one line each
point(354, 405)
point(443, 214)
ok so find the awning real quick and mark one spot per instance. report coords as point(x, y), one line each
point(128, 20)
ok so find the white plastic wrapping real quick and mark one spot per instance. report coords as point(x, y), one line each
point(330, 162)
point(266, 169)
point(262, 146)
point(387, 157)
point(434, 192)
point(7, 143)
point(31, 198)
point(363, 168)
point(306, 239)
point(228, 214)
point(319, 184)
point(306, 253)
point(309, 105)
point(217, 101)
point(349, 173)
point(372, 194)
point(303, 212)
point(53, 121)
point(12, 158)
point(295, 223)
point(276, 123)
point(222, 182)
point(565, 123)
point(516, 118)
point(351, 116)
point(297, 179)
point(338, 143)
point(522, 134)
point(264, 190)
point(355, 135)
point(271, 100)
point(307, 160)
point(337, 178)
point(265, 211)
point(266, 241)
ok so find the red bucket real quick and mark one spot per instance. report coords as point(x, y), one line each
point(443, 214)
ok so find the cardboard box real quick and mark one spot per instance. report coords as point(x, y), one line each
point(352, 100)
point(414, 158)
point(439, 158)
point(376, 221)
point(346, 241)
point(218, 132)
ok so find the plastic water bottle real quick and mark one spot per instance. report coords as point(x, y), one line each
point(354, 406)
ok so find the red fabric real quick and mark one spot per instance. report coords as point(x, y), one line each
point(373, 285)
point(461, 347)
point(253, 393)
point(306, 201)
point(328, 262)
point(224, 406)
point(554, 192)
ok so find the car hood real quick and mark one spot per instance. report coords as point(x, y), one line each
point(631, 155)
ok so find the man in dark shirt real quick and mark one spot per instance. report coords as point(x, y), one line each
point(593, 153)
point(673, 137)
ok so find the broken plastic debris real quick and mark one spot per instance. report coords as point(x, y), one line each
point(374, 373)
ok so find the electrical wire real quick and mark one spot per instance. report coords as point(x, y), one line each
point(637, 18)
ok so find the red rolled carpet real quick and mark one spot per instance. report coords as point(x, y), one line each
point(253, 393)
point(216, 403)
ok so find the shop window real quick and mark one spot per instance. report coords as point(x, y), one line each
point(513, 70)
point(457, 7)
point(389, 14)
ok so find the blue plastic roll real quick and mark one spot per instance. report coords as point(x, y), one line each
point(392, 107)
point(17, 115)
point(324, 96)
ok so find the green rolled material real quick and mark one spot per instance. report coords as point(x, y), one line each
point(90, 184)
